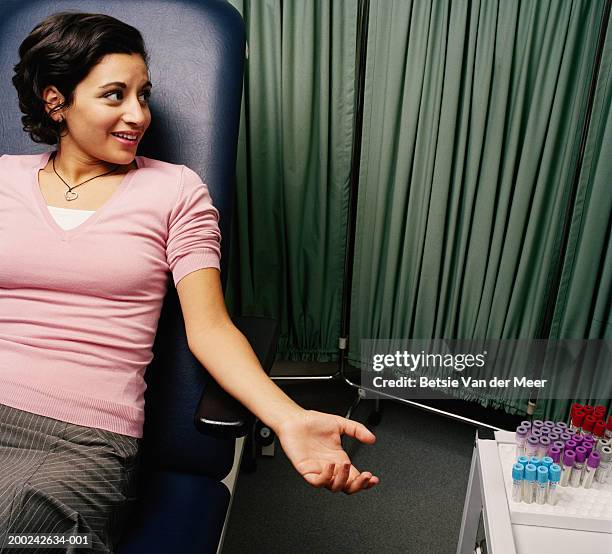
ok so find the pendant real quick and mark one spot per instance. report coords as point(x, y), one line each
point(71, 195)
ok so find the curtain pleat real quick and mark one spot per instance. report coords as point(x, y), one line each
point(583, 309)
point(294, 156)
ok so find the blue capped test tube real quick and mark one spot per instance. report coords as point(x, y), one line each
point(517, 481)
point(542, 485)
point(547, 461)
point(529, 483)
point(554, 473)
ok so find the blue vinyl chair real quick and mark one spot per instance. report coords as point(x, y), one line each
point(197, 51)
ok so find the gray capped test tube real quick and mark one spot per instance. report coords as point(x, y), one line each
point(601, 475)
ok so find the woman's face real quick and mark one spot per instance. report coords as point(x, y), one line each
point(112, 98)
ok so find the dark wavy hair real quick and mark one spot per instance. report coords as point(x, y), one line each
point(61, 51)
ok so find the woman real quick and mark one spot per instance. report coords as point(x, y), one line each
point(88, 235)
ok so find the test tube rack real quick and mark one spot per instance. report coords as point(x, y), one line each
point(576, 507)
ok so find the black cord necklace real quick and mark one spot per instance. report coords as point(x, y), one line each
point(69, 194)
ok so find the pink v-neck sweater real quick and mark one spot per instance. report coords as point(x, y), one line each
point(79, 307)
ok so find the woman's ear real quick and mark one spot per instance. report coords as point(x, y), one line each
point(52, 98)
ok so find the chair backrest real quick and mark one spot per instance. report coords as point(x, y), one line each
point(197, 51)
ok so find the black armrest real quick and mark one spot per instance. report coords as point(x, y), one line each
point(221, 415)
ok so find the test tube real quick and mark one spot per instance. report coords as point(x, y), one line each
point(522, 460)
point(545, 431)
point(548, 423)
point(588, 410)
point(534, 461)
point(578, 439)
point(590, 469)
point(570, 445)
point(536, 432)
point(588, 424)
point(602, 443)
point(536, 424)
point(575, 407)
point(566, 436)
point(547, 461)
point(569, 457)
point(589, 446)
point(576, 475)
point(555, 454)
point(517, 480)
point(608, 431)
point(562, 425)
point(542, 485)
point(554, 473)
point(521, 439)
point(577, 419)
point(601, 475)
point(545, 443)
point(554, 437)
point(560, 445)
point(532, 445)
point(529, 483)
point(599, 430)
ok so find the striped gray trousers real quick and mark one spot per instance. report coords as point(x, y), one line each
point(56, 477)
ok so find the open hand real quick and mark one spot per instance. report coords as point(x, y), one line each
point(311, 441)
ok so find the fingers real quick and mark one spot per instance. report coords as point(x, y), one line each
point(319, 478)
point(356, 430)
point(347, 479)
point(340, 479)
point(364, 480)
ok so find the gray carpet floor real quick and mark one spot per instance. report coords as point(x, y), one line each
point(423, 462)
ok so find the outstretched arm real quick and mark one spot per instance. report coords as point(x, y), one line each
point(310, 439)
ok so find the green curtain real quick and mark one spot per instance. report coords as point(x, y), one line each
point(584, 305)
point(472, 125)
point(294, 155)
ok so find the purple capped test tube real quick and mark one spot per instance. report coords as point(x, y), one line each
point(520, 438)
point(532, 446)
point(569, 457)
point(554, 436)
point(536, 424)
point(566, 436)
point(544, 446)
point(545, 431)
point(555, 453)
point(561, 424)
point(570, 445)
point(578, 439)
point(590, 468)
point(549, 424)
point(577, 470)
point(536, 433)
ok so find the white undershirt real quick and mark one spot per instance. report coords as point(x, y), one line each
point(67, 218)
